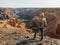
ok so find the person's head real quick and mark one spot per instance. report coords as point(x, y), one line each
point(42, 14)
point(35, 18)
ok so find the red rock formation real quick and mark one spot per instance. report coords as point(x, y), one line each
point(53, 31)
point(58, 29)
point(12, 22)
point(22, 26)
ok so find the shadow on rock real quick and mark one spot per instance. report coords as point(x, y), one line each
point(24, 42)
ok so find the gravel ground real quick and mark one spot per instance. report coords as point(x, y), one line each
point(18, 37)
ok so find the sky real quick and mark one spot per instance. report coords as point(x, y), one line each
point(30, 3)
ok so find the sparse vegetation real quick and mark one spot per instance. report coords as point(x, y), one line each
point(10, 34)
point(22, 20)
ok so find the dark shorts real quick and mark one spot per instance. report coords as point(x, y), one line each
point(35, 29)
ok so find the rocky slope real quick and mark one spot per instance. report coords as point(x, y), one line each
point(6, 13)
point(22, 37)
point(19, 36)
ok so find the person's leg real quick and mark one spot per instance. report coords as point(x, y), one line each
point(34, 35)
point(42, 34)
point(36, 30)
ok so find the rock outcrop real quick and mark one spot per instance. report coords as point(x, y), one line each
point(6, 13)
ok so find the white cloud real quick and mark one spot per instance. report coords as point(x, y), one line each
point(29, 3)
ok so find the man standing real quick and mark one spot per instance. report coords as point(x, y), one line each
point(38, 25)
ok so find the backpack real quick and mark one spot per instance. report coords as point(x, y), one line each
point(42, 22)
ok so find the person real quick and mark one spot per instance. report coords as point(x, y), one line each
point(39, 22)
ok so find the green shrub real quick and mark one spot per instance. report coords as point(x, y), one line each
point(22, 20)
